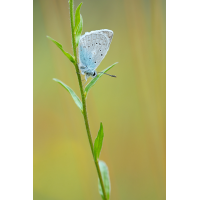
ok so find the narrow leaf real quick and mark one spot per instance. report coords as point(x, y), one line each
point(73, 94)
point(79, 31)
point(94, 80)
point(98, 142)
point(77, 17)
point(71, 58)
point(106, 180)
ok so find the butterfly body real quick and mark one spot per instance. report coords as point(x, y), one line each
point(93, 47)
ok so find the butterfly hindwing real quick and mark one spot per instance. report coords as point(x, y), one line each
point(85, 54)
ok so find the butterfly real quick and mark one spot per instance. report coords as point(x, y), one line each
point(93, 47)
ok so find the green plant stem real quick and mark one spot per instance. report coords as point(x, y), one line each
point(83, 99)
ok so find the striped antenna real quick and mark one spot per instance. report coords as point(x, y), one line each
point(108, 74)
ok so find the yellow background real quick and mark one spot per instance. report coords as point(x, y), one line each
point(131, 106)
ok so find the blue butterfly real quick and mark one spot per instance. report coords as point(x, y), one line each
point(93, 47)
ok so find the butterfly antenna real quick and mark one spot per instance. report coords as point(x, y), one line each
point(108, 74)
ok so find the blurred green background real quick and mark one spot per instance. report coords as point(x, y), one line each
point(131, 106)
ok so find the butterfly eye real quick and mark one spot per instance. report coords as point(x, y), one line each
point(94, 74)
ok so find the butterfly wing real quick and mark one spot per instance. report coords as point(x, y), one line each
point(108, 33)
point(85, 52)
point(93, 47)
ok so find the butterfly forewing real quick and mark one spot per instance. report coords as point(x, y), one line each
point(101, 46)
point(108, 33)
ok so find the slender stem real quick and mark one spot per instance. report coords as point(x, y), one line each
point(83, 99)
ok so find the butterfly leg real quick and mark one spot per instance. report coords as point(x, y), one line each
point(85, 77)
point(84, 83)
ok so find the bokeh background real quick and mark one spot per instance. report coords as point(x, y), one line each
point(131, 106)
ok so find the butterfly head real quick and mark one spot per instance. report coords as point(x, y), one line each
point(93, 74)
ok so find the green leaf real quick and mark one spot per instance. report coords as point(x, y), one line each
point(94, 80)
point(106, 180)
point(79, 31)
point(73, 94)
point(71, 58)
point(77, 17)
point(98, 142)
